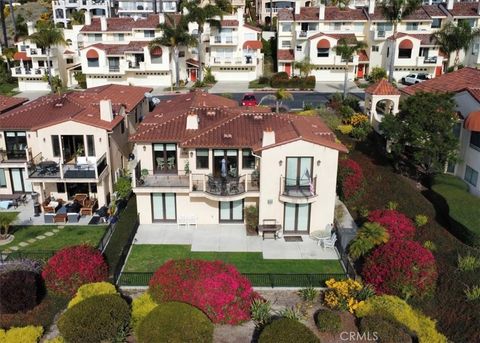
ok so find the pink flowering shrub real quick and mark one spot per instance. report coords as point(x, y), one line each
point(350, 180)
point(401, 267)
point(72, 267)
point(216, 288)
point(398, 225)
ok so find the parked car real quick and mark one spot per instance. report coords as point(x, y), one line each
point(249, 100)
point(414, 78)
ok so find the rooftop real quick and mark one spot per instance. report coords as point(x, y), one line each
point(9, 102)
point(382, 87)
point(125, 24)
point(463, 9)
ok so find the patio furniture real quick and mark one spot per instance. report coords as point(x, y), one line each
point(89, 206)
point(73, 217)
point(160, 163)
point(60, 218)
point(192, 222)
point(170, 163)
point(49, 218)
point(320, 236)
point(213, 186)
point(80, 197)
point(50, 206)
point(329, 242)
point(5, 204)
point(232, 186)
point(269, 228)
point(182, 221)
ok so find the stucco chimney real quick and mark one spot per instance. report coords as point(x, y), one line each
point(268, 137)
point(106, 110)
point(88, 18)
point(371, 6)
point(321, 12)
point(240, 14)
point(30, 27)
point(450, 4)
point(103, 23)
point(161, 18)
point(192, 122)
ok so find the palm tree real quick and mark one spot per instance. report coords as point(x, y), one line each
point(6, 219)
point(201, 16)
point(279, 96)
point(4, 25)
point(395, 11)
point(305, 67)
point(45, 37)
point(347, 51)
point(174, 34)
point(453, 38)
point(77, 17)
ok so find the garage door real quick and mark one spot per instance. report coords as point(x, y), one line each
point(234, 75)
point(327, 75)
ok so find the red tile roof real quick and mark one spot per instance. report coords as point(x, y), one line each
point(81, 107)
point(252, 44)
point(362, 56)
point(434, 11)
point(307, 13)
point(248, 26)
point(9, 102)
point(334, 13)
point(424, 12)
point(463, 9)
point(126, 24)
point(382, 87)
point(472, 122)
point(285, 55)
point(223, 123)
point(475, 92)
point(120, 49)
point(285, 14)
point(228, 23)
point(193, 62)
point(21, 55)
point(425, 39)
point(349, 37)
point(451, 82)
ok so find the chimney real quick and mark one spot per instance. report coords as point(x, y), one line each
point(161, 18)
point(192, 122)
point(106, 111)
point(88, 18)
point(103, 24)
point(371, 6)
point(240, 16)
point(450, 4)
point(30, 27)
point(321, 12)
point(268, 137)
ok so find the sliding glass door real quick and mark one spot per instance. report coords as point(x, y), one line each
point(231, 211)
point(19, 184)
point(299, 172)
point(297, 218)
point(164, 207)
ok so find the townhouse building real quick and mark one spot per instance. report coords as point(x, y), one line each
point(62, 9)
point(203, 157)
point(144, 8)
point(61, 145)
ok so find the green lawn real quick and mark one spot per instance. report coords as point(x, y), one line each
point(70, 235)
point(148, 257)
point(8, 89)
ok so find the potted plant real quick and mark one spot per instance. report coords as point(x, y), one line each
point(143, 175)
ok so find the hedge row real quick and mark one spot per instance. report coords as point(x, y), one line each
point(281, 80)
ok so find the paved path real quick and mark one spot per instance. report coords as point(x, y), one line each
point(230, 87)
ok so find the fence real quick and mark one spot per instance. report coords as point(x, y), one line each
point(39, 255)
point(124, 253)
point(137, 279)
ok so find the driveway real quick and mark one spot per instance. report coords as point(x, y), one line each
point(230, 87)
point(32, 95)
point(333, 87)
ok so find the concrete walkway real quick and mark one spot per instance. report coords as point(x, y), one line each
point(333, 87)
point(231, 238)
point(230, 87)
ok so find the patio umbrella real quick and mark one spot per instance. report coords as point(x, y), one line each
point(223, 169)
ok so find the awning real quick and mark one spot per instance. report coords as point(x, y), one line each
point(156, 52)
point(68, 52)
point(92, 53)
point(473, 121)
point(252, 44)
point(323, 44)
point(193, 62)
point(21, 55)
point(406, 44)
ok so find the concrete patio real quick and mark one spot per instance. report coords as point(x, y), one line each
point(231, 238)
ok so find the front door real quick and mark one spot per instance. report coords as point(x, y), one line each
point(360, 71)
point(438, 71)
point(288, 68)
point(297, 218)
point(193, 75)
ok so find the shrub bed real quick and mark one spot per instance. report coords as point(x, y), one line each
point(287, 331)
point(281, 80)
point(328, 321)
point(96, 319)
point(72, 267)
point(398, 225)
point(401, 267)
point(20, 291)
point(385, 329)
point(350, 180)
point(141, 307)
point(460, 206)
point(91, 289)
point(27, 334)
point(175, 322)
point(216, 288)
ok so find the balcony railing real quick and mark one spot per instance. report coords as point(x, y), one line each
point(234, 60)
point(223, 40)
point(39, 167)
point(19, 71)
point(114, 69)
point(152, 179)
point(228, 186)
point(13, 155)
point(298, 187)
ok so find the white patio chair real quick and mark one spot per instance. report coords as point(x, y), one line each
point(182, 221)
point(330, 243)
point(192, 222)
point(320, 236)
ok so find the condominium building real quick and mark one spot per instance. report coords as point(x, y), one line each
point(61, 145)
point(203, 157)
point(62, 9)
point(139, 9)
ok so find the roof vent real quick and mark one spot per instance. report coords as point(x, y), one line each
point(258, 117)
point(58, 104)
point(227, 135)
point(210, 113)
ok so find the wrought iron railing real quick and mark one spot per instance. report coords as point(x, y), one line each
point(298, 187)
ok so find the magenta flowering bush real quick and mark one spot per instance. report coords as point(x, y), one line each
point(216, 288)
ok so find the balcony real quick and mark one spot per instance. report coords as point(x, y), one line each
point(113, 69)
point(37, 52)
point(30, 72)
point(381, 34)
point(338, 60)
point(299, 190)
point(162, 180)
point(429, 61)
point(245, 60)
point(218, 187)
point(223, 40)
point(13, 156)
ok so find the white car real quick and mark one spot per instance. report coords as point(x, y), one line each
point(412, 79)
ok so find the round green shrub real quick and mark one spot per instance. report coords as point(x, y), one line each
point(387, 331)
point(328, 321)
point(96, 319)
point(175, 322)
point(287, 331)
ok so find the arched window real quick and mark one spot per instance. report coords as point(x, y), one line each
point(92, 58)
point(156, 55)
point(405, 49)
point(323, 48)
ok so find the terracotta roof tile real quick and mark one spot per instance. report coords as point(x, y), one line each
point(425, 39)
point(334, 13)
point(382, 87)
point(349, 37)
point(422, 13)
point(475, 92)
point(285, 55)
point(126, 24)
point(252, 44)
point(451, 82)
point(434, 11)
point(307, 13)
point(9, 102)
point(120, 49)
point(248, 26)
point(463, 9)
point(362, 56)
point(229, 23)
point(21, 55)
point(285, 14)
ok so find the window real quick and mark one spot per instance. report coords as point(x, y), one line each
point(90, 145)
point(286, 27)
point(299, 48)
point(299, 175)
point(375, 48)
point(475, 48)
point(149, 33)
point(470, 22)
point(436, 23)
point(16, 142)
point(337, 26)
point(404, 53)
point(202, 159)
point(181, 54)
point(56, 146)
point(69, 60)
point(114, 64)
point(92, 62)
point(60, 187)
point(471, 176)
point(122, 127)
point(3, 179)
point(297, 217)
point(475, 140)
point(165, 157)
point(358, 27)
point(286, 44)
point(322, 52)
point(120, 37)
point(457, 128)
point(412, 26)
point(248, 160)
point(164, 207)
point(388, 51)
point(231, 211)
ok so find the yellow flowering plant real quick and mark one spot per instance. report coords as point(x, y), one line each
point(358, 119)
point(345, 295)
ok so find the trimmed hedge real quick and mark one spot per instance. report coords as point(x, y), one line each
point(20, 291)
point(91, 289)
point(175, 322)
point(386, 330)
point(287, 331)
point(27, 334)
point(462, 207)
point(281, 80)
point(328, 321)
point(141, 307)
point(96, 319)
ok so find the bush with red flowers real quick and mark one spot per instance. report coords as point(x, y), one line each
point(398, 225)
point(401, 267)
point(350, 180)
point(72, 267)
point(216, 288)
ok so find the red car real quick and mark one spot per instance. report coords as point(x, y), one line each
point(249, 100)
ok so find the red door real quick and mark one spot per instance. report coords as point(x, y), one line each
point(288, 68)
point(438, 71)
point(360, 71)
point(193, 75)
